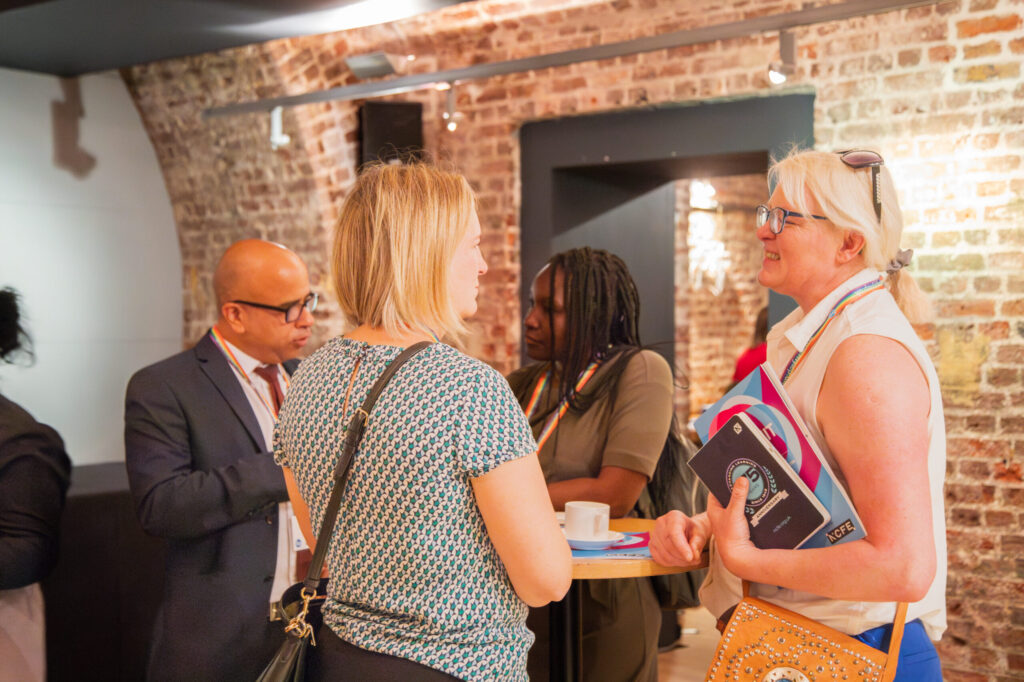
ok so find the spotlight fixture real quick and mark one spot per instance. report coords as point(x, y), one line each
point(450, 115)
point(372, 65)
point(277, 136)
point(779, 71)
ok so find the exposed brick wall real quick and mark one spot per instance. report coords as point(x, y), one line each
point(936, 89)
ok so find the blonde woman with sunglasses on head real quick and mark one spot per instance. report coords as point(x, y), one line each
point(866, 388)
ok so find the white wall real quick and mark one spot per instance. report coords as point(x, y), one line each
point(95, 257)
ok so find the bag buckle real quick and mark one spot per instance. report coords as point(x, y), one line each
point(298, 623)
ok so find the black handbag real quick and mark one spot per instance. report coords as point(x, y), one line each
point(301, 602)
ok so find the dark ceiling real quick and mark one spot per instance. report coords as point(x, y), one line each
point(74, 37)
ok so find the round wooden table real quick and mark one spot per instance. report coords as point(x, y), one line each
point(590, 569)
point(566, 616)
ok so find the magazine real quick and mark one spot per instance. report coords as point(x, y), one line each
point(761, 396)
point(781, 510)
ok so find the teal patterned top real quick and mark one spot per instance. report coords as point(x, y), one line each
point(413, 572)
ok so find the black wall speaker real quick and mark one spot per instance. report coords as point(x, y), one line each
point(390, 130)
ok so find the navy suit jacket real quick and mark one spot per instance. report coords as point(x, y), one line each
point(201, 478)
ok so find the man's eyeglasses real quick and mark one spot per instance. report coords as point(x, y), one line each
point(862, 158)
point(292, 311)
point(777, 217)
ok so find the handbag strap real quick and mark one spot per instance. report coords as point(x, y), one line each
point(894, 642)
point(893, 655)
point(356, 426)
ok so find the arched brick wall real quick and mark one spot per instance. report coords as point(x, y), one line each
point(937, 89)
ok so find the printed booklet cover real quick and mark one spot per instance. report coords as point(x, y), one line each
point(781, 510)
point(761, 396)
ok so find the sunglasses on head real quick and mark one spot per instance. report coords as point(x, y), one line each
point(862, 158)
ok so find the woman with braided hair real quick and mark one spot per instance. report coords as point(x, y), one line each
point(582, 329)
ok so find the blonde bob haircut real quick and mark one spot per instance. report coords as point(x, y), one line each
point(844, 195)
point(393, 245)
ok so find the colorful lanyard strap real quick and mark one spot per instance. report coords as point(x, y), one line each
point(848, 299)
point(557, 415)
point(223, 345)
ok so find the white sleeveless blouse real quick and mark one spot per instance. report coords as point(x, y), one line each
point(876, 314)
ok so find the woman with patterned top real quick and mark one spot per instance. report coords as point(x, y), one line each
point(582, 329)
point(446, 533)
point(864, 384)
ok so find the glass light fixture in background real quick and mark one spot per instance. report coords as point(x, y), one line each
point(708, 256)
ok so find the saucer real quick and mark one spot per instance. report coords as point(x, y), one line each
point(610, 539)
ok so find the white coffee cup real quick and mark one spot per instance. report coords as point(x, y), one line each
point(586, 520)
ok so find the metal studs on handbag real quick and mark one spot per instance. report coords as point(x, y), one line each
point(766, 643)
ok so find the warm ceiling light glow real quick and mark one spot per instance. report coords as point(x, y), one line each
point(776, 73)
point(702, 195)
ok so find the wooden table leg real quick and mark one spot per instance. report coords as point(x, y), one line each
point(566, 637)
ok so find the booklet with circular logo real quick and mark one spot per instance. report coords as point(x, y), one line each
point(782, 511)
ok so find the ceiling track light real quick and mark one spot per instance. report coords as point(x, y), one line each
point(373, 64)
point(277, 136)
point(780, 71)
point(450, 115)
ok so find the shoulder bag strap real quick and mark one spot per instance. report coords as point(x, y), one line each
point(894, 642)
point(355, 433)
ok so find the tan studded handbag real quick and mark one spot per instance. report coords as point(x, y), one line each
point(763, 642)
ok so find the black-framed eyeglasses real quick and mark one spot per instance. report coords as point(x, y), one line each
point(777, 217)
point(862, 158)
point(292, 311)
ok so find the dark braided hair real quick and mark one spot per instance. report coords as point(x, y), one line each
point(602, 315)
point(13, 337)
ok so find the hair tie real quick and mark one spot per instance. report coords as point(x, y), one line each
point(901, 261)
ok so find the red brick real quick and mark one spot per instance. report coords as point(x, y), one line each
point(991, 24)
point(1004, 117)
point(967, 308)
point(941, 53)
point(992, 188)
point(986, 49)
point(909, 57)
point(986, 72)
point(1002, 376)
point(995, 331)
point(940, 239)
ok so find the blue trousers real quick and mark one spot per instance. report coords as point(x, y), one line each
point(918, 662)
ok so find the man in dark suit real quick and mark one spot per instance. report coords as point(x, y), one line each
point(197, 438)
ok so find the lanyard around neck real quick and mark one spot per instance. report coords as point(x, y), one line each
point(557, 415)
point(849, 298)
point(219, 341)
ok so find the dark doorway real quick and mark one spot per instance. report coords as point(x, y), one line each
point(607, 181)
